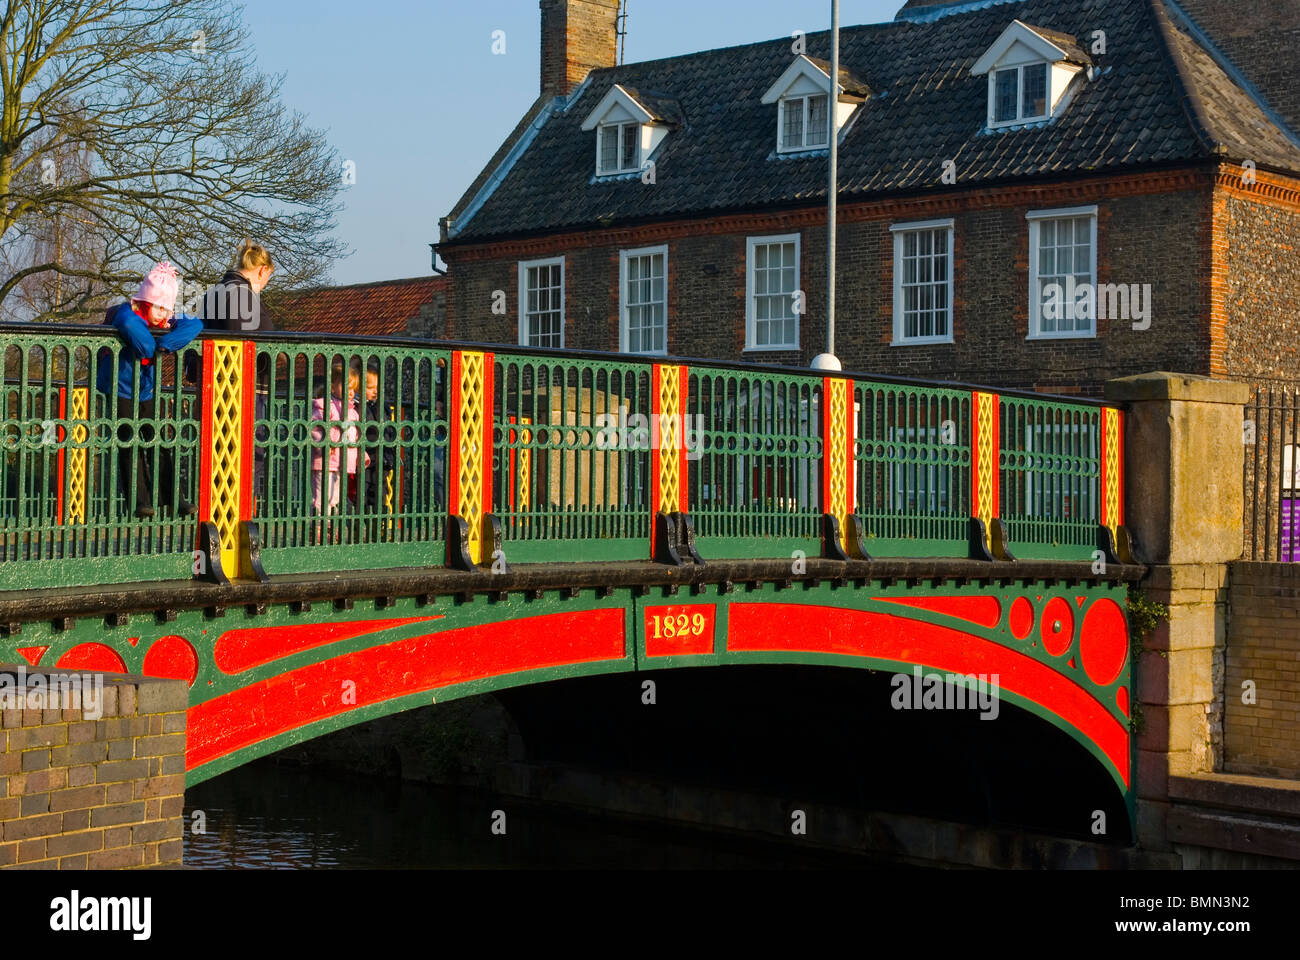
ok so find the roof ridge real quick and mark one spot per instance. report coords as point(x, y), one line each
point(305, 291)
point(1231, 70)
point(937, 12)
point(1219, 140)
point(808, 35)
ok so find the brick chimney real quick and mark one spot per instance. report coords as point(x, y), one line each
point(578, 36)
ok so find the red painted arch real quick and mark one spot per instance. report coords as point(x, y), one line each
point(309, 694)
point(248, 647)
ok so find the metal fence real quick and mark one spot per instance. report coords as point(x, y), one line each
point(1271, 475)
point(352, 458)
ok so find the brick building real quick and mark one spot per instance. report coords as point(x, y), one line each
point(415, 307)
point(1040, 193)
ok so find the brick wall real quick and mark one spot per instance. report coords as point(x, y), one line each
point(1152, 235)
point(1261, 288)
point(84, 792)
point(431, 322)
point(1263, 646)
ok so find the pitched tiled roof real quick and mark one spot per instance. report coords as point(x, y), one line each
point(851, 82)
point(1259, 38)
point(1157, 99)
point(369, 309)
point(658, 105)
point(1073, 52)
point(1225, 115)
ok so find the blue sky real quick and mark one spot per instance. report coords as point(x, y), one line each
point(413, 95)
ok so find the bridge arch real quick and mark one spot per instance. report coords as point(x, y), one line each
point(263, 678)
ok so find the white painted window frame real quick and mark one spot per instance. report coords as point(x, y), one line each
point(1035, 218)
point(1019, 68)
point(807, 112)
point(898, 230)
point(750, 313)
point(600, 136)
point(523, 296)
point(623, 328)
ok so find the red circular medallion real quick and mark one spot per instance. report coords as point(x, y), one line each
point(1021, 618)
point(1103, 642)
point(1056, 626)
point(173, 658)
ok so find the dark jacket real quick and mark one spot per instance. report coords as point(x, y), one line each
point(140, 346)
point(232, 305)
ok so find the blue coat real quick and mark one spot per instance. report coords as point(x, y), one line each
point(139, 346)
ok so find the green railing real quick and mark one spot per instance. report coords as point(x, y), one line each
point(351, 454)
point(913, 453)
point(54, 531)
point(571, 457)
point(1050, 465)
point(755, 489)
point(340, 490)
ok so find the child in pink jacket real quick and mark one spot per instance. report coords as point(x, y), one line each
point(326, 483)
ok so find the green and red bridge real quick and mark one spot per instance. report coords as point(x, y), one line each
point(515, 516)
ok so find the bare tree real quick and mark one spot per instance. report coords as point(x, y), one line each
point(64, 237)
point(139, 130)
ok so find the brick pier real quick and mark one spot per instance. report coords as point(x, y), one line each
point(90, 781)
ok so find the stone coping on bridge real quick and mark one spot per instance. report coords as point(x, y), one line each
point(159, 597)
point(1164, 385)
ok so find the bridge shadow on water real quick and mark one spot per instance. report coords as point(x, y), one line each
point(825, 735)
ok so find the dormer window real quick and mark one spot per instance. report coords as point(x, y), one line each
point(802, 95)
point(1029, 73)
point(620, 147)
point(803, 122)
point(1020, 93)
point(630, 125)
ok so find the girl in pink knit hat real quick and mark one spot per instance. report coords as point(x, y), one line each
point(326, 458)
point(148, 330)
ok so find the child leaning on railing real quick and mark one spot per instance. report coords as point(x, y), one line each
point(148, 330)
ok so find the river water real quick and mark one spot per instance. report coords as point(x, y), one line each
point(264, 816)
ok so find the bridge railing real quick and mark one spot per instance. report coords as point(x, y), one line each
point(70, 450)
point(348, 455)
point(307, 456)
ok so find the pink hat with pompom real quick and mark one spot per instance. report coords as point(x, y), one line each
point(160, 286)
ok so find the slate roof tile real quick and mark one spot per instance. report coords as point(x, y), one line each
point(1157, 98)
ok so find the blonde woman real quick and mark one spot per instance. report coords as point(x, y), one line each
point(234, 304)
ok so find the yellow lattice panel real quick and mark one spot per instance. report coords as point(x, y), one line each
point(985, 458)
point(838, 494)
point(524, 466)
point(669, 441)
point(1111, 431)
point(227, 416)
point(78, 408)
point(388, 481)
point(472, 412)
